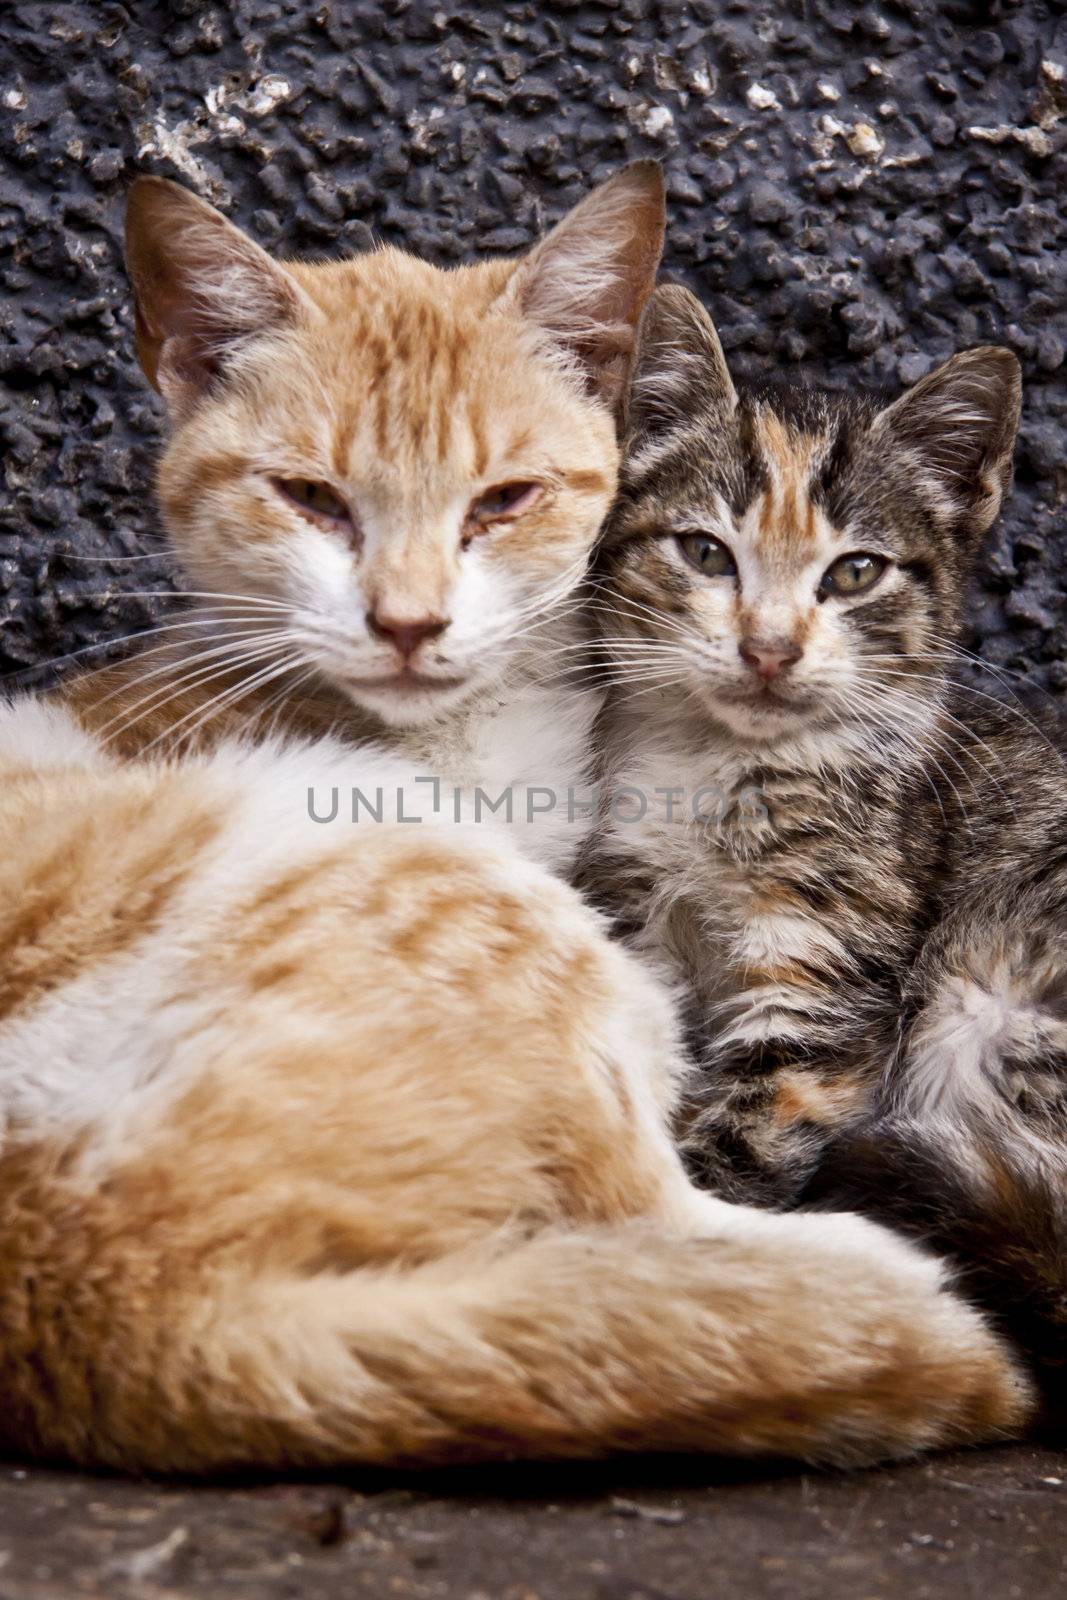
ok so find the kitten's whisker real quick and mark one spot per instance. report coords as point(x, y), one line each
point(635, 694)
point(634, 670)
point(597, 638)
point(229, 700)
point(650, 648)
point(605, 656)
point(953, 650)
point(1010, 710)
point(666, 658)
point(665, 630)
point(639, 684)
point(641, 612)
point(191, 686)
point(889, 726)
point(908, 704)
point(521, 648)
point(643, 685)
point(967, 736)
point(1015, 711)
point(956, 649)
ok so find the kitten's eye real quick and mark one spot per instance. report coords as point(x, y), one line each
point(853, 573)
point(503, 501)
point(709, 556)
point(317, 498)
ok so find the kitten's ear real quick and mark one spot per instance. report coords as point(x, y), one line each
point(586, 283)
point(680, 372)
point(200, 287)
point(959, 425)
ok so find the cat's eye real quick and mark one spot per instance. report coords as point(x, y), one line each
point(852, 574)
point(709, 556)
point(500, 504)
point(317, 499)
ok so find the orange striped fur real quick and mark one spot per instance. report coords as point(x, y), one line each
point(327, 1147)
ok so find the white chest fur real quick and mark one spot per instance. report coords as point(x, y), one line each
point(521, 760)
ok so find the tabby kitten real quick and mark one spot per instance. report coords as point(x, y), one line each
point(867, 905)
point(332, 1144)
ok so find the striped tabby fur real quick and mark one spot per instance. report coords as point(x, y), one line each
point(870, 921)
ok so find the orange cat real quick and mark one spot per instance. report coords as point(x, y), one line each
point(325, 1144)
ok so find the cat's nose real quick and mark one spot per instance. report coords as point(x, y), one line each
point(769, 657)
point(405, 633)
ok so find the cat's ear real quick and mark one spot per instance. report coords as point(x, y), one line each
point(587, 282)
point(680, 372)
point(200, 287)
point(958, 425)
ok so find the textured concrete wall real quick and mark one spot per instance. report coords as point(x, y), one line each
point(856, 190)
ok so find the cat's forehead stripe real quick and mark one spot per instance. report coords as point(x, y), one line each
point(787, 514)
point(478, 437)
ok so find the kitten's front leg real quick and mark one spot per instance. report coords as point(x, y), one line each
point(779, 1076)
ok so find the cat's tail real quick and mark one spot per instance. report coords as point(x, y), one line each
point(989, 1196)
point(821, 1339)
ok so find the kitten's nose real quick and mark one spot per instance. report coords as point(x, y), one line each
point(406, 633)
point(769, 657)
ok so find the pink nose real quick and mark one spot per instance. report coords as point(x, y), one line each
point(405, 634)
point(769, 657)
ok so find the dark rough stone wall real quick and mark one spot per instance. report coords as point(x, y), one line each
point(856, 190)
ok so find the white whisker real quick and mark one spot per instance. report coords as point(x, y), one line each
point(195, 678)
point(225, 700)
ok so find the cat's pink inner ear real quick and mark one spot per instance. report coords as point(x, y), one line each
point(200, 288)
point(587, 282)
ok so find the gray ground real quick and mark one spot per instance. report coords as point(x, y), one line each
point(986, 1526)
point(857, 190)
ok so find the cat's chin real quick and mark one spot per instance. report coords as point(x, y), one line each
point(762, 719)
point(405, 700)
